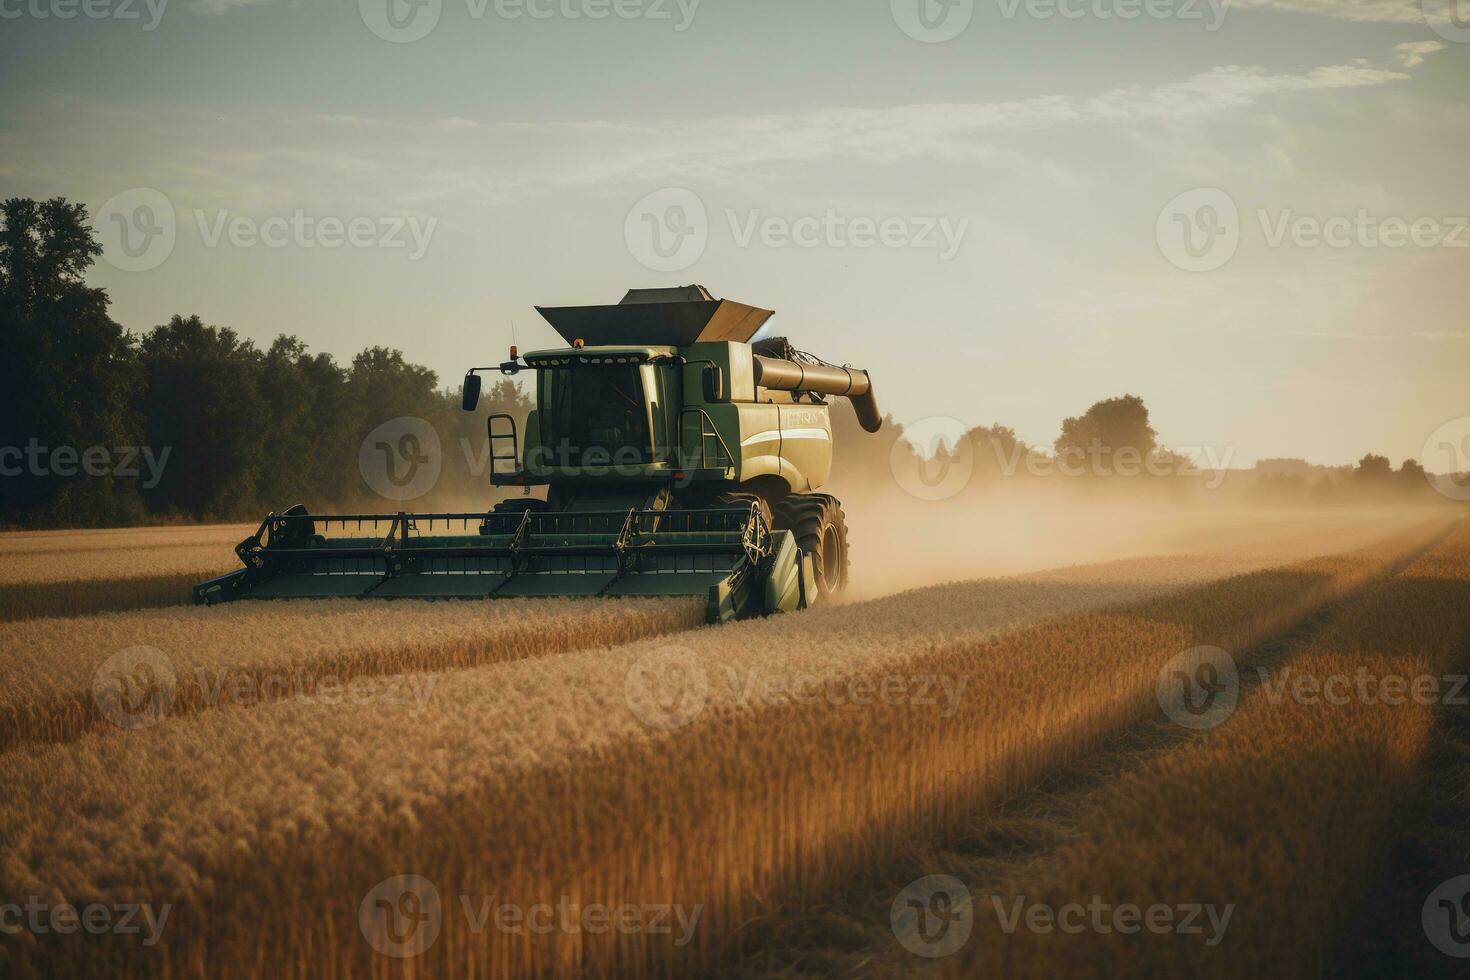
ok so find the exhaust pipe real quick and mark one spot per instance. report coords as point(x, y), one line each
point(850, 383)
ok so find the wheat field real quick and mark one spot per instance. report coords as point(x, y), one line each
point(292, 757)
point(69, 573)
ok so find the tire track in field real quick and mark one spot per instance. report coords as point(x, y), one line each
point(852, 935)
point(1434, 846)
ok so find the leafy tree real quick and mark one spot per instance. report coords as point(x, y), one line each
point(1373, 471)
point(1115, 432)
point(1411, 477)
point(202, 398)
point(67, 369)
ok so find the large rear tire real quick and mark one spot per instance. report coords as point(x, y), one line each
point(821, 530)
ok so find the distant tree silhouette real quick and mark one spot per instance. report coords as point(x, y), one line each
point(1107, 429)
point(1373, 471)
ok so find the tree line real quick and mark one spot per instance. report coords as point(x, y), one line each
point(189, 421)
point(192, 422)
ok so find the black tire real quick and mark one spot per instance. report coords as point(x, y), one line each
point(821, 530)
point(514, 505)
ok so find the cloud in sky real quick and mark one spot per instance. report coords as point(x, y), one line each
point(1411, 53)
point(398, 162)
point(1366, 11)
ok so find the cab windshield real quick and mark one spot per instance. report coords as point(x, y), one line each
point(594, 414)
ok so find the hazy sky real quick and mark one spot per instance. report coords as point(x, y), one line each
point(1252, 216)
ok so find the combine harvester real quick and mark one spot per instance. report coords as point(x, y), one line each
point(679, 459)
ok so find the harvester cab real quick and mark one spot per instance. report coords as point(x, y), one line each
point(678, 458)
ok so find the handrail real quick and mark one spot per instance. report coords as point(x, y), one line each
point(707, 429)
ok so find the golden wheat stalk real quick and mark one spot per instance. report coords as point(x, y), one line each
point(1282, 816)
point(543, 779)
point(63, 671)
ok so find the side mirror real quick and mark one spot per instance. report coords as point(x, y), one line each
point(470, 399)
point(714, 384)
